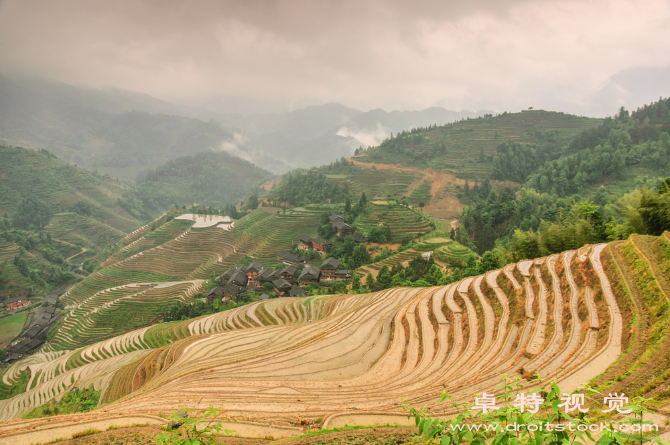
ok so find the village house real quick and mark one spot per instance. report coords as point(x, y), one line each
point(342, 274)
point(320, 245)
point(309, 275)
point(231, 292)
point(51, 299)
point(16, 303)
point(239, 278)
point(214, 293)
point(288, 273)
point(253, 270)
point(224, 277)
point(297, 291)
point(289, 258)
point(328, 269)
point(266, 276)
point(282, 286)
point(334, 218)
point(342, 228)
point(359, 239)
point(305, 242)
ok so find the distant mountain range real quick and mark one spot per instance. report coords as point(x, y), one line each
point(127, 134)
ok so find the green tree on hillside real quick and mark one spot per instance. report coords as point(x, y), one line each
point(31, 212)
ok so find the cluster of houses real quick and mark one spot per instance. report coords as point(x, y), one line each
point(16, 303)
point(285, 281)
point(35, 336)
point(341, 229)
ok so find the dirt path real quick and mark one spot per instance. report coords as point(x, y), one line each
point(66, 431)
point(445, 207)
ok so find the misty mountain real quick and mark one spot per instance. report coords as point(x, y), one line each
point(127, 134)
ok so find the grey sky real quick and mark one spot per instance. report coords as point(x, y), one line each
point(579, 56)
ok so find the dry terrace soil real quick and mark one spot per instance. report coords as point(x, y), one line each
point(145, 436)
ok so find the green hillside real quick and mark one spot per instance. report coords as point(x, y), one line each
point(57, 214)
point(466, 148)
point(212, 179)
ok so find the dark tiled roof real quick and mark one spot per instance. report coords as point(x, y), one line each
point(264, 296)
point(335, 217)
point(310, 273)
point(296, 291)
point(306, 239)
point(218, 290)
point(290, 270)
point(330, 263)
point(359, 239)
point(32, 332)
point(343, 272)
point(50, 310)
point(267, 275)
point(281, 284)
point(233, 289)
point(227, 274)
point(254, 267)
point(321, 242)
point(291, 257)
point(15, 299)
point(341, 225)
point(239, 278)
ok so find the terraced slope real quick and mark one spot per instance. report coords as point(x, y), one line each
point(157, 268)
point(567, 317)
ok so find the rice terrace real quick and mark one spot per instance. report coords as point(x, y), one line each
point(334, 223)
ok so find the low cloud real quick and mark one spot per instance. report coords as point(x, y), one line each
point(366, 137)
point(235, 147)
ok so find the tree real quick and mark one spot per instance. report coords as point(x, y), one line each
point(360, 256)
point(31, 212)
point(347, 205)
point(252, 202)
point(363, 201)
point(369, 281)
point(452, 234)
point(356, 282)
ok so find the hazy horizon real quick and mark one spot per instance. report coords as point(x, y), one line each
point(584, 58)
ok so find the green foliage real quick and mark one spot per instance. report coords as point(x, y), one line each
point(74, 401)
point(302, 188)
point(31, 213)
point(493, 426)
point(185, 311)
point(468, 147)
point(7, 392)
point(210, 179)
point(194, 428)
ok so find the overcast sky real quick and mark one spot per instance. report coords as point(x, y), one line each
point(583, 56)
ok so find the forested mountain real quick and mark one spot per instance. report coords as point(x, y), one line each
point(210, 179)
point(581, 193)
point(52, 211)
point(98, 131)
point(467, 147)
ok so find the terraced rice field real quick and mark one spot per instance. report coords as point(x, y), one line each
point(156, 268)
point(401, 258)
point(401, 220)
point(451, 251)
point(568, 317)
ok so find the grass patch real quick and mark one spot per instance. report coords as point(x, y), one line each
point(10, 327)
